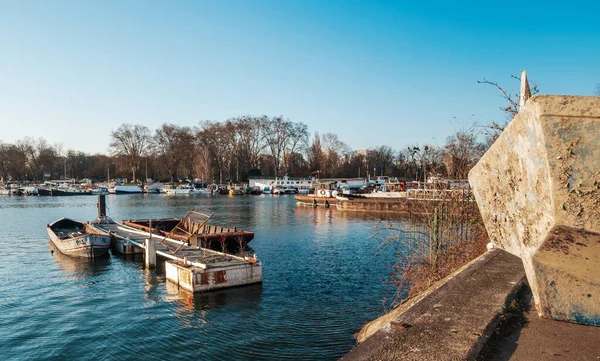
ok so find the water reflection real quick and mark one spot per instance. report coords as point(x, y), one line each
point(79, 267)
point(207, 301)
point(152, 280)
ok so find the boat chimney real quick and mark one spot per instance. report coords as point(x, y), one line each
point(101, 206)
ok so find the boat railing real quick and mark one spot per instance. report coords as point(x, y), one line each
point(437, 194)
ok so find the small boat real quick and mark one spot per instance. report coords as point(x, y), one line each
point(256, 191)
point(100, 190)
point(237, 191)
point(181, 189)
point(70, 191)
point(30, 190)
point(127, 189)
point(78, 239)
point(205, 191)
point(153, 188)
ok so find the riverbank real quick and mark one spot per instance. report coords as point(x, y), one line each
point(452, 320)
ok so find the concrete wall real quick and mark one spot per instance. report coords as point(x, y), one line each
point(538, 190)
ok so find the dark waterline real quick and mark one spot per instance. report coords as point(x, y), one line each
point(322, 280)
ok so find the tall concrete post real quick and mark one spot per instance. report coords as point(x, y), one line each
point(538, 190)
point(150, 253)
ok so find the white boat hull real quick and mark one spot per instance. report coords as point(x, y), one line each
point(178, 191)
point(127, 189)
point(87, 246)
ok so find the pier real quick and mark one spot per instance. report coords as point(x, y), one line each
point(193, 268)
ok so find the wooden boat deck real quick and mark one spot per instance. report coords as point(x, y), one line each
point(171, 248)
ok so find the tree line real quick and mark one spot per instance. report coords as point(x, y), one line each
point(246, 146)
point(233, 151)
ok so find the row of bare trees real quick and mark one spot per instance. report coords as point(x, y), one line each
point(214, 151)
point(233, 150)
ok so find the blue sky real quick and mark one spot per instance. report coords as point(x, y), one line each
point(395, 73)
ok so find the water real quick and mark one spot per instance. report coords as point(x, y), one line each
point(322, 280)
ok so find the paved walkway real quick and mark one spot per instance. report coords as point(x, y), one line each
point(523, 336)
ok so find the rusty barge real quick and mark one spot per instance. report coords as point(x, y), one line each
point(195, 230)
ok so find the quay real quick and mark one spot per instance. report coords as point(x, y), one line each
point(193, 268)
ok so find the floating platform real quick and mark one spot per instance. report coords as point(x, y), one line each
point(193, 268)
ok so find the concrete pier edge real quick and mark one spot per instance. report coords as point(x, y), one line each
point(453, 319)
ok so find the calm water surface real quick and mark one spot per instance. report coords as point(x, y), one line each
point(322, 279)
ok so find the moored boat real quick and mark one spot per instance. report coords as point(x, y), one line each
point(181, 189)
point(236, 191)
point(153, 188)
point(100, 190)
point(195, 230)
point(70, 191)
point(78, 239)
point(127, 189)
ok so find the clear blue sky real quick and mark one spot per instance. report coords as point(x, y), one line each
point(375, 73)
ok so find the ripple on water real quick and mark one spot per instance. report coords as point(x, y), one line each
point(322, 281)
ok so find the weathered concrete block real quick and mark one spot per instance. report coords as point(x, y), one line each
point(196, 279)
point(538, 190)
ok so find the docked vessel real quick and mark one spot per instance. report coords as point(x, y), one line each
point(127, 189)
point(70, 191)
point(181, 189)
point(195, 230)
point(78, 239)
point(100, 190)
point(153, 188)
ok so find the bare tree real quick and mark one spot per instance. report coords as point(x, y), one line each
point(202, 164)
point(334, 151)
point(173, 145)
point(251, 138)
point(461, 152)
point(315, 154)
point(381, 159)
point(297, 138)
point(215, 138)
point(511, 108)
point(41, 157)
point(131, 142)
point(12, 162)
point(277, 131)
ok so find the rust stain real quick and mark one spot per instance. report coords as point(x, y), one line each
point(185, 276)
point(220, 277)
point(204, 278)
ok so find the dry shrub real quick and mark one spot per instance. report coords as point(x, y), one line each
point(442, 234)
